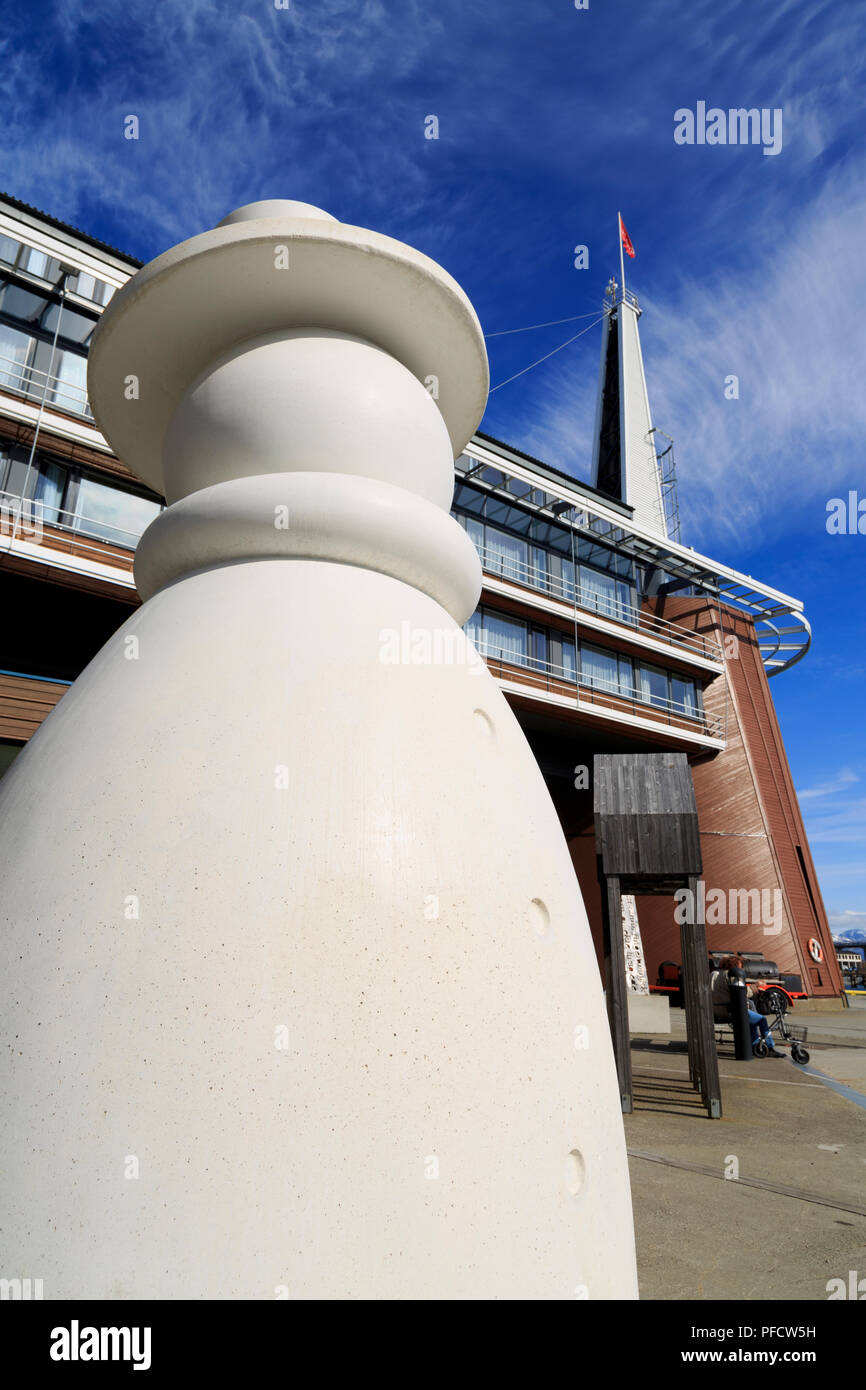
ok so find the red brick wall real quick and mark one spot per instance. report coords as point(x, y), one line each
point(750, 820)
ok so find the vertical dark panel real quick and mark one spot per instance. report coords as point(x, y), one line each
point(703, 1015)
point(617, 994)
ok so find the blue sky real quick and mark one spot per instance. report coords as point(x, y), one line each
point(550, 119)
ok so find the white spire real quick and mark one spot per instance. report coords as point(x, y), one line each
point(624, 454)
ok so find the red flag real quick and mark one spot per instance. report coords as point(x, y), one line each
point(626, 239)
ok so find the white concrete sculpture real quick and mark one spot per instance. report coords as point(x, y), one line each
point(298, 990)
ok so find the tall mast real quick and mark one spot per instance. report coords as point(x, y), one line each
point(624, 454)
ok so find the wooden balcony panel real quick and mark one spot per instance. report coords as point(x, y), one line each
point(57, 538)
point(542, 681)
point(25, 702)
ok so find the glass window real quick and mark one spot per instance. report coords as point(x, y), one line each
point(597, 592)
point(15, 349)
point(466, 499)
point(35, 261)
point(13, 469)
point(538, 576)
point(474, 628)
point(569, 665)
point(538, 646)
point(626, 677)
point(568, 585)
point(85, 285)
point(603, 558)
point(8, 249)
point(22, 304)
point(113, 515)
point(606, 595)
point(90, 287)
point(475, 532)
point(43, 481)
point(627, 606)
point(49, 481)
point(505, 555)
point(684, 696)
point(604, 670)
point(74, 327)
point(561, 576)
point(598, 669)
point(505, 637)
point(653, 685)
point(69, 390)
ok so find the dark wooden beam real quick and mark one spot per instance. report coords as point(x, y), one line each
point(617, 994)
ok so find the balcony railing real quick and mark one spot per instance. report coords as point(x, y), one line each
point(558, 680)
point(493, 562)
point(31, 382)
point(71, 532)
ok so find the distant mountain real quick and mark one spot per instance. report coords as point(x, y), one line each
point(854, 936)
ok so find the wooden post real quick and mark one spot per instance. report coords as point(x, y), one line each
point(689, 999)
point(617, 995)
point(711, 1093)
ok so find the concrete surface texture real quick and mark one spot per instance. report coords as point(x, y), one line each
point(770, 1201)
point(302, 988)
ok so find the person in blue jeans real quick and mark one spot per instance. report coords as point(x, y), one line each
point(721, 996)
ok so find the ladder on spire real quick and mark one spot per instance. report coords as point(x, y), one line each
point(667, 468)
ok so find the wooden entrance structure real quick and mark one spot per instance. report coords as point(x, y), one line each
point(647, 841)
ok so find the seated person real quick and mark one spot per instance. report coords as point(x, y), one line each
point(720, 991)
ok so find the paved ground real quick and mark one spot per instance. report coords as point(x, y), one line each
point(702, 1235)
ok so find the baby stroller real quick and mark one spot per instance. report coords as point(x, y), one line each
point(788, 1032)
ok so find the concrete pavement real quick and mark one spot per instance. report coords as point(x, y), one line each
point(768, 1202)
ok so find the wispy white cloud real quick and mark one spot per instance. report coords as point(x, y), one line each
point(837, 823)
point(541, 141)
point(845, 777)
point(234, 101)
point(785, 326)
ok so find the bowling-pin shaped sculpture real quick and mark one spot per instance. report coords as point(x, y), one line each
point(298, 992)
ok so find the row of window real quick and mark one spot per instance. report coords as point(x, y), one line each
point(41, 311)
point(69, 496)
point(526, 644)
point(24, 366)
point(539, 530)
point(517, 559)
point(498, 508)
point(29, 319)
point(19, 256)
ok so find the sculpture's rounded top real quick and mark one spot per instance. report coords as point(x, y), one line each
point(276, 207)
point(277, 268)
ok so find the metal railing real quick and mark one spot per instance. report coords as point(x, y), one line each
point(32, 382)
point(581, 596)
point(30, 519)
point(608, 694)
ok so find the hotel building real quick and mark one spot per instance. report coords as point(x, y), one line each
point(605, 632)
